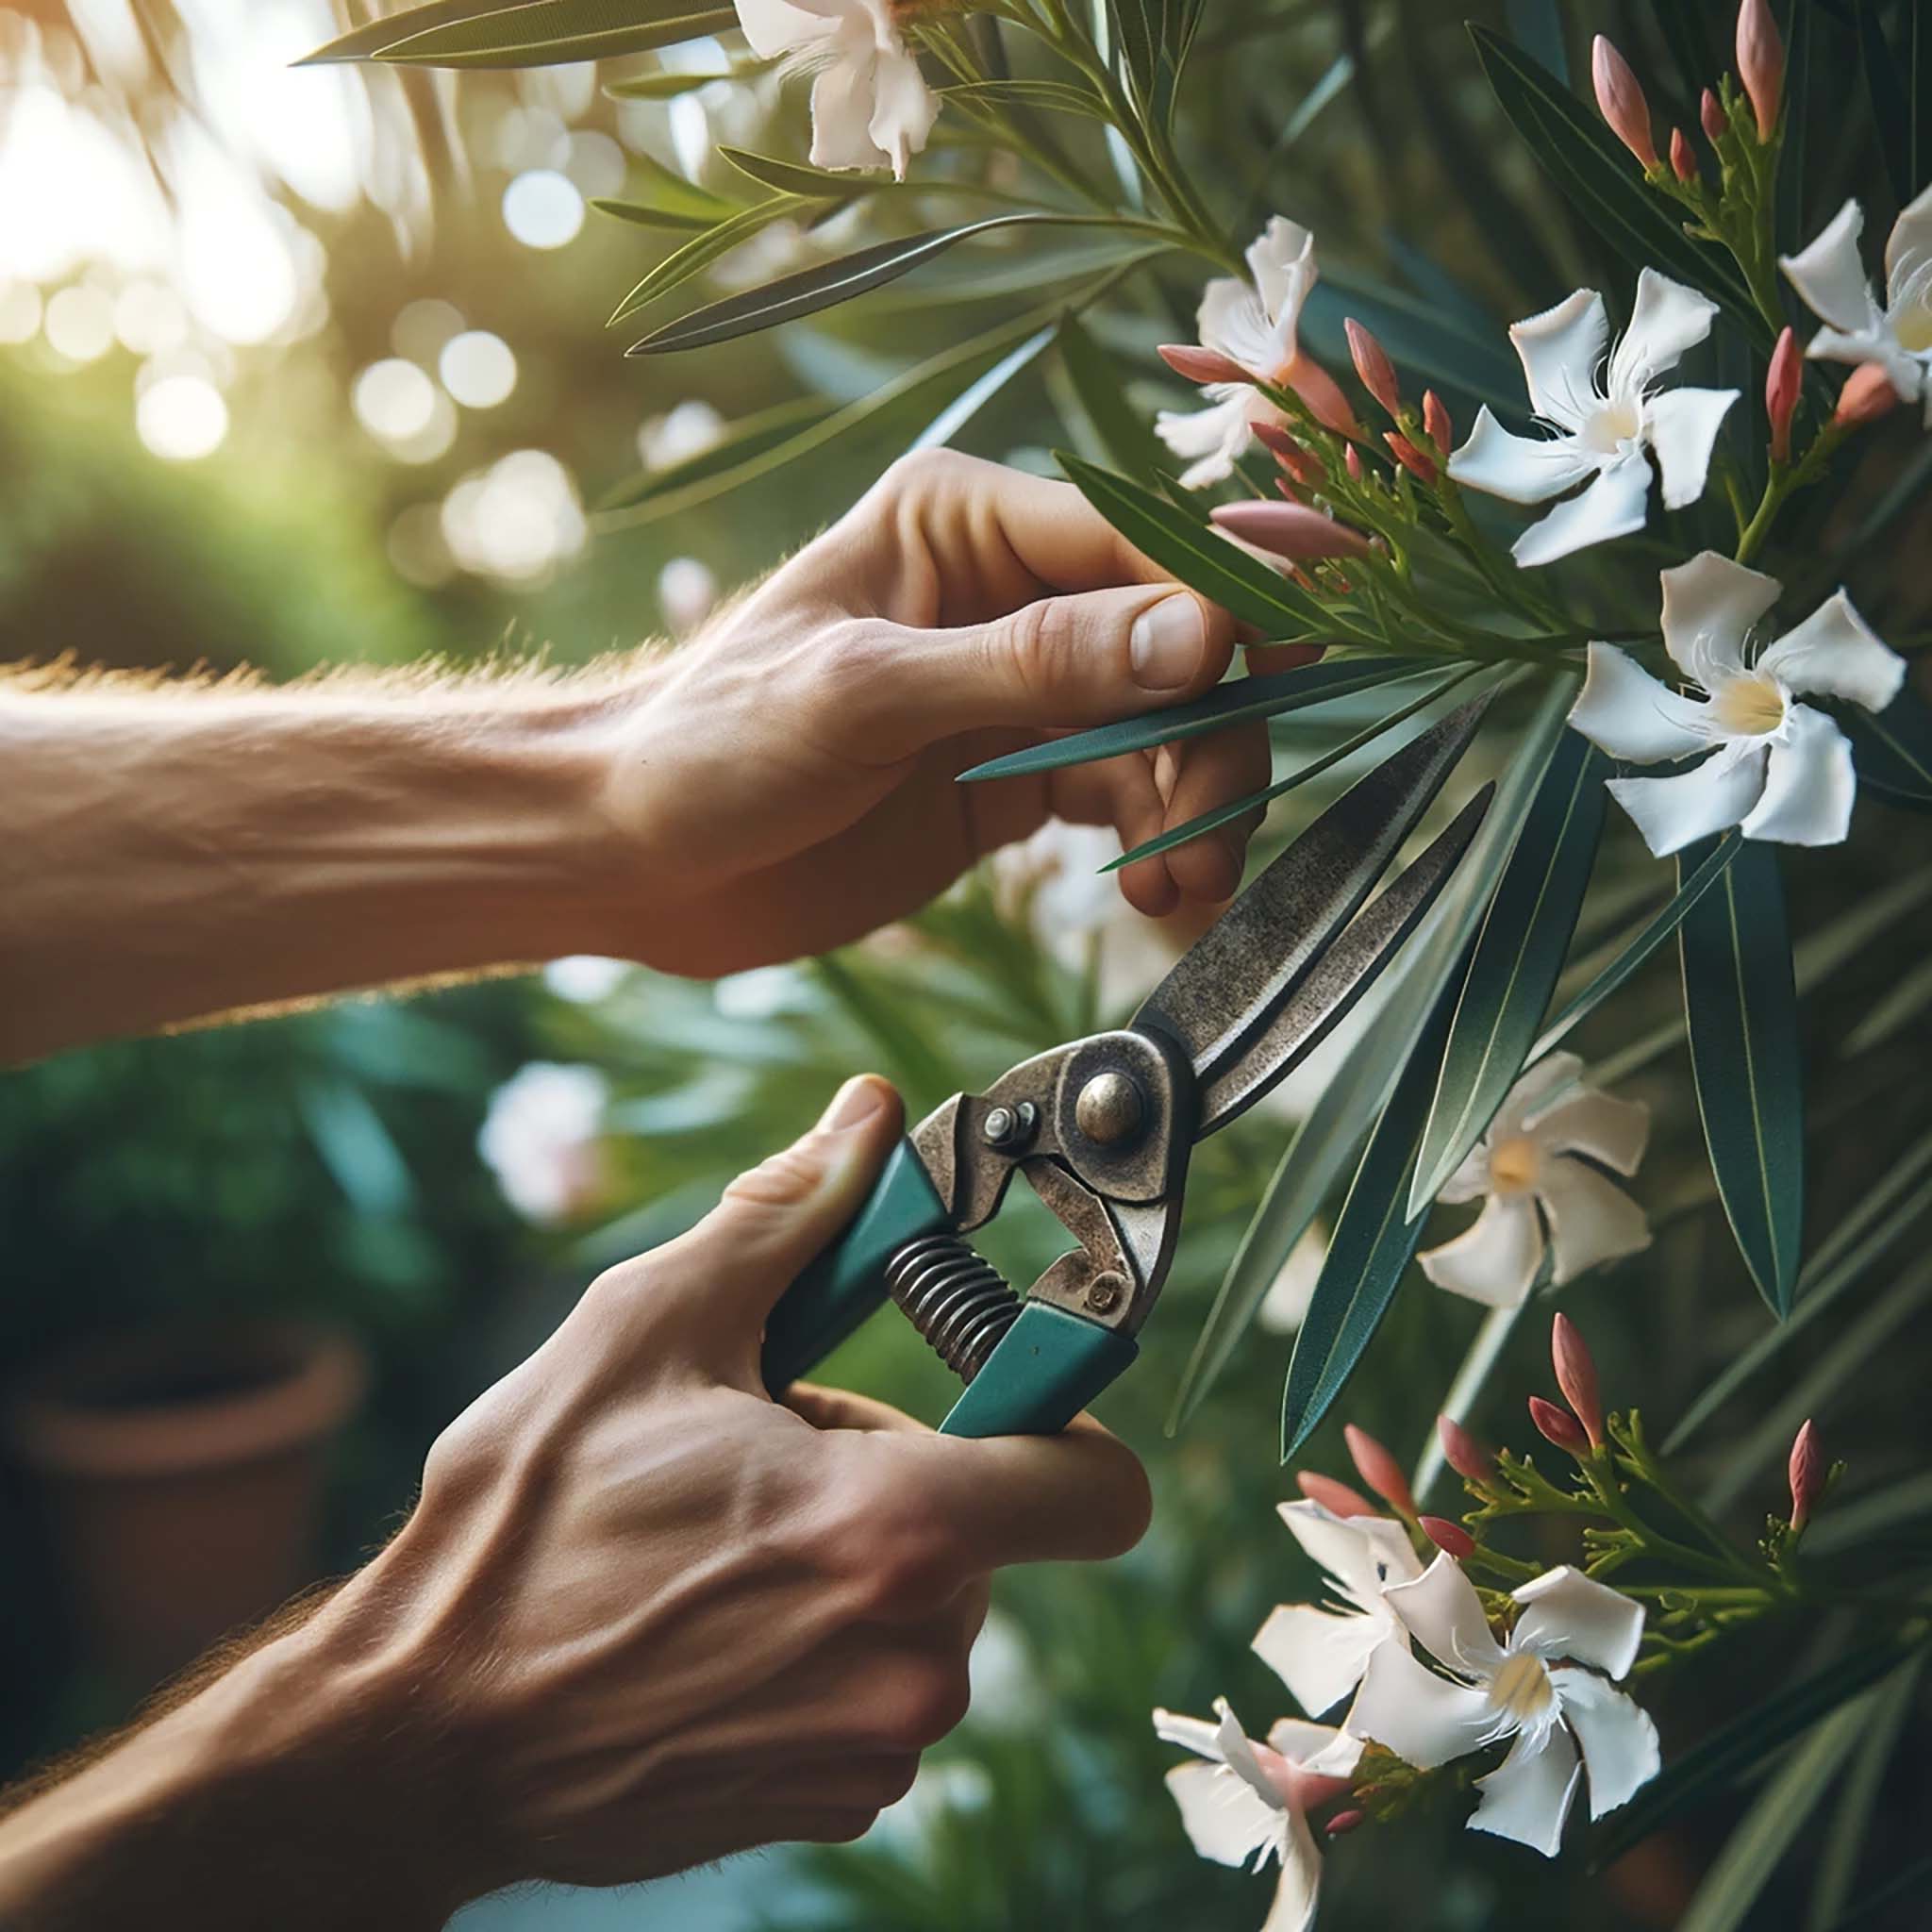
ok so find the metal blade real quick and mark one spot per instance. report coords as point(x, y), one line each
point(1229, 984)
point(1341, 976)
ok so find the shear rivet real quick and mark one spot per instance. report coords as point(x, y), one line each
point(1110, 1109)
point(1104, 1292)
point(1010, 1126)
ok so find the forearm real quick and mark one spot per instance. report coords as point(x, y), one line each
point(165, 855)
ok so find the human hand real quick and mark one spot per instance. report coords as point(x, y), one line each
point(788, 781)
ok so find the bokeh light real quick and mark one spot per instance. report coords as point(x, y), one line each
point(181, 417)
point(149, 318)
point(542, 208)
point(422, 328)
point(395, 400)
point(79, 322)
point(515, 520)
point(20, 312)
point(477, 368)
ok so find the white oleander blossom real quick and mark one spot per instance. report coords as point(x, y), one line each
point(1255, 324)
point(1248, 1802)
point(1607, 419)
point(1547, 1687)
point(1526, 1174)
point(1776, 769)
point(1321, 1653)
point(541, 1138)
point(870, 107)
point(1895, 333)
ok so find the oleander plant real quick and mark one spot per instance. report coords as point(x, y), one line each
point(1580, 355)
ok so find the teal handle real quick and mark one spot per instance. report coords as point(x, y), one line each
point(1047, 1367)
point(847, 1281)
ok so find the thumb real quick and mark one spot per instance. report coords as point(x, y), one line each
point(1086, 658)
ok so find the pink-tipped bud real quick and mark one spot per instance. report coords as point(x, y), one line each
point(1441, 431)
point(1866, 395)
point(1450, 1538)
point(1409, 456)
point(1558, 1426)
point(1576, 1377)
point(1379, 1470)
point(1712, 116)
point(1344, 1823)
point(1781, 385)
point(1620, 100)
point(1290, 491)
point(1337, 1498)
point(1287, 529)
point(1761, 63)
point(1353, 459)
point(1462, 1452)
point(1372, 365)
point(1304, 465)
point(1203, 365)
point(1683, 162)
point(1808, 1473)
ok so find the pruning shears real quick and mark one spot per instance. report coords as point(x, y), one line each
point(1102, 1127)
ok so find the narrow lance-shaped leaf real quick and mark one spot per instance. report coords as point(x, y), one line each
point(1892, 748)
point(703, 249)
point(1740, 1007)
point(545, 34)
point(750, 437)
point(1119, 430)
point(1518, 956)
point(1891, 114)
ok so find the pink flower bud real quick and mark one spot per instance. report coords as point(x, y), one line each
point(1450, 1538)
point(1807, 1473)
point(1344, 1823)
point(1303, 465)
point(1337, 1498)
point(1683, 162)
point(1372, 365)
point(1620, 100)
point(1462, 1452)
point(1576, 1377)
point(1557, 1425)
point(1322, 394)
point(1409, 456)
point(1712, 116)
point(1203, 365)
point(1781, 384)
point(1379, 1470)
point(1354, 461)
point(1866, 395)
point(1290, 491)
point(1761, 63)
point(1436, 421)
point(1289, 530)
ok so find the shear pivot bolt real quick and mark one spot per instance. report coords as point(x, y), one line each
point(1110, 1109)
point(1104, 1292)
point(1010, 1126)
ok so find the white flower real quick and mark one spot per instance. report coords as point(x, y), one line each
point(1608, 418)
point(1527, 1172)
point(1320, 1654)
point(870, 107)
point(1254, 323)
point(1516, 1688)
point(1779, 769)
point(1898, 336)
point(1234, 1810)
point(539, 1138)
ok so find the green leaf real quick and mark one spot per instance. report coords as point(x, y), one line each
point(1655, 933)
point(1518, 956)
point(368, 41)
point(750, 437)
point(1594, 170)
point(1731, 1753)
point(1901, 1003)
point(1741, 1004)
point(702, 250)
point(1891, 114)
point(1921, 26)
point(1892, 748)
point(1374, 1240)
point(641, 214)
point(1052, 96)
point(664, 187)
point(1119, 430)
point(798, 177)
point(827, 283)
point(1239, 699)
point(539, 34)
point(967, 404)
point(1838, 1867)
point(668, 85)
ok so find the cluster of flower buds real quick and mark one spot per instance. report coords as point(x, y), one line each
point(1579, 1429)
point(1620, 100)
point(1411, 432)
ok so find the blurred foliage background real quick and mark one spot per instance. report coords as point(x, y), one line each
point(305, 367)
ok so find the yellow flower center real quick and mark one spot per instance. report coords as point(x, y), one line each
point(1520, 1690)
point(1612, 426)
point(1914, 326)
point(1514, 1164)
point(1749, 706)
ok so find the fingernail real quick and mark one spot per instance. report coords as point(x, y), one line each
point(857, 1101)
point(1166, 644)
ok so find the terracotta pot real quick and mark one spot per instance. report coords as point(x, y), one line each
point(181, 1468)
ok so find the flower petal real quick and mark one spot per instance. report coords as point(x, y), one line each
point(1613, 506)
point(1908, 247)
point(1570, 1615)
point(1423, 1718)
point(1591, 1219)
point(1495, 1259)
point(1808, 785)
point(1519, 469)
point(1625, 711)
point(1224, 1820)
point(774, 26)
point(1667, 320)
point(1304, 1743)
point(1534, 1088)
point(1709, 606)
point(1357, 1553)
point(1674, 813)
point(1298, 1889)
point(1620, 1747)
point(1471, 1180)
point(1214, 436)
point(1238, 1754)
point(1232, 320)
point(1683, 426)
point(1319, 1654)
point(1195, 1734)
point(1830, 274)
point(1611, 1131)
point(1561, 349)
point(1529, 1795)
point(1444, 1615)
point(1282, 261)
point(1836, 654)
point(841, 108)
point(904, 108)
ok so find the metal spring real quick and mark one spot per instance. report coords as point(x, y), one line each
point(960, 1303)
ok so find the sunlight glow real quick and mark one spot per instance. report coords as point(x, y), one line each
point(181, 417)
